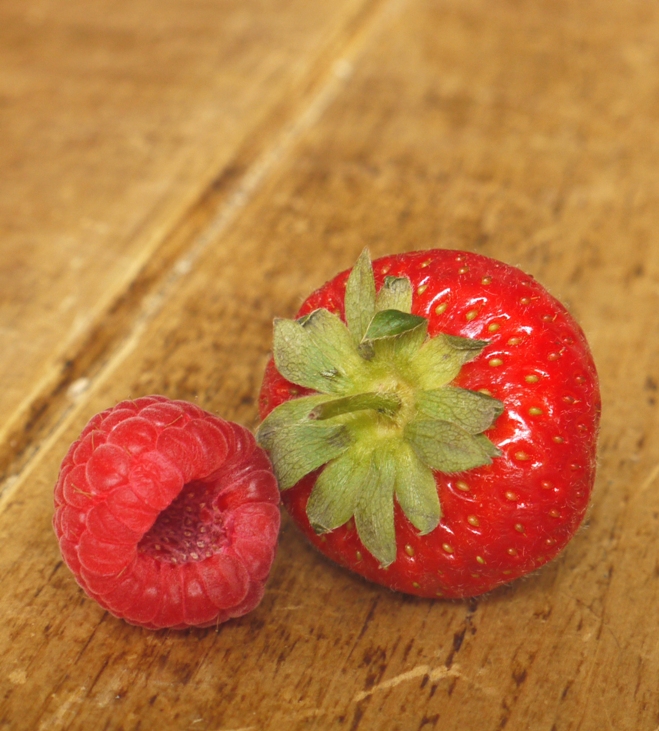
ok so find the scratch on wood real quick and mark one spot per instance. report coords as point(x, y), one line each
point(601, 618)
point(66, 707)
point(18, 677)
point(649, 480)
point(420, 671)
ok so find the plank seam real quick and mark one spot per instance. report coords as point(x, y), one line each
point(49, 412)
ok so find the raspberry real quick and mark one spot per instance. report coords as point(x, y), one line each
point(167, 515)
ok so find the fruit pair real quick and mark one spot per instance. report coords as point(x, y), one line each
point(431, 419)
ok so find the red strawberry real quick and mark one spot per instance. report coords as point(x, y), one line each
point(167, 515)
point(443, 452)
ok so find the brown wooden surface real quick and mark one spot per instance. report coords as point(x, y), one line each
point(177, 173)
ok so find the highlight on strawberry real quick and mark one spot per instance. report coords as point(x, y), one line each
point(432, 421)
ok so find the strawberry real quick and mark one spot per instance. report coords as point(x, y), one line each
point(166, 515)
point(432, 421)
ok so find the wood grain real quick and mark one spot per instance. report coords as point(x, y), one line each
point(525, 131)
point(126, 131)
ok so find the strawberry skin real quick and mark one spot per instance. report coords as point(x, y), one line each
point(167, 515)
point(500, 520)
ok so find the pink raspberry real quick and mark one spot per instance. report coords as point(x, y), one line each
point(166, 515)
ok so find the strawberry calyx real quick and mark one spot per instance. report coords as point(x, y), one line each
point(385, 416)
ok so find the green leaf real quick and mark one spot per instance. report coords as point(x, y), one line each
point(396, 337)
point(299, 449)
point(289, 413)
point(374, 508)
point(332, 338)
point(445, 447)
point(297, 358)
point(487, 446)
point(332, 500)
point(440, 359)
point(416, 491)
point(384, 403)
point(360, 297)
point(390, 323)
point(467, 345)
point(401, 350)
point(472, 411)
point(317, 352)
point(395, 294)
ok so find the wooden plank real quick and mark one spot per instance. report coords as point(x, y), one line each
point(544, 156)
point(125, 130)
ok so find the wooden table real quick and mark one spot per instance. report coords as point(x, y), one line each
point(175, 174)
